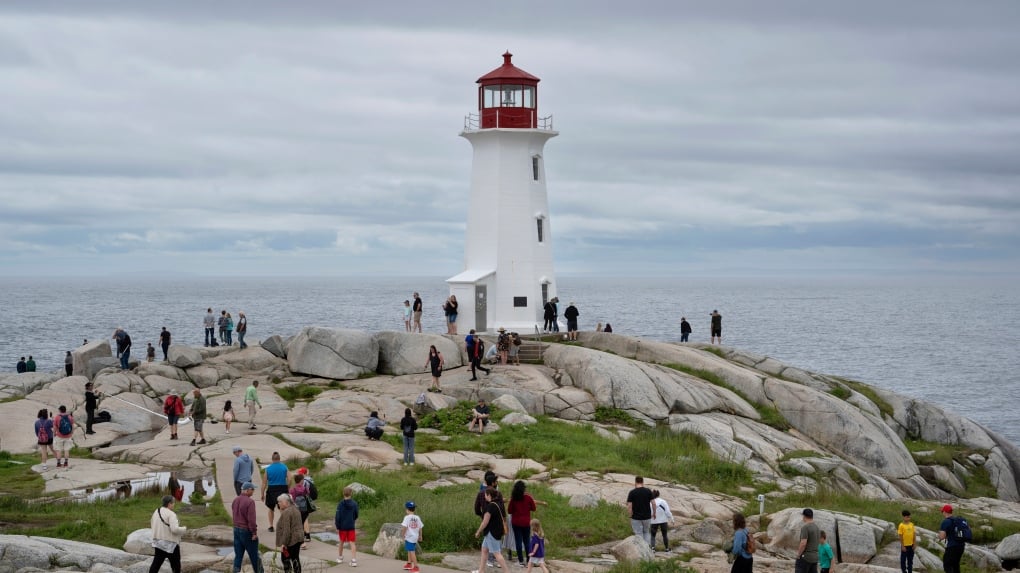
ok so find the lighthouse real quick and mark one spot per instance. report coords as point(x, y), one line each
point(508, 265)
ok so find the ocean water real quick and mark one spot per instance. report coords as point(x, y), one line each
point(952, 342)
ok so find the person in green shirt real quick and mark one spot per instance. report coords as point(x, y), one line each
point(251, 400)
point(825, 555)
point(198, 417)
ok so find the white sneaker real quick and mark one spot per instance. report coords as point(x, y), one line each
point(340, 561)
point(45, 467)
point(228, 431)
point(354, 562)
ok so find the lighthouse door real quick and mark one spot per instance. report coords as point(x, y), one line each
point(481, 307)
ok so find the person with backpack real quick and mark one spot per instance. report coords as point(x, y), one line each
point(300, 494)
point(955, 532)
point(44, 435)
point(743, 545)
point(63, 430)
point(173, 407)
point(313, 494)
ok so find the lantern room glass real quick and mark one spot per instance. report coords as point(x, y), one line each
point(508, 95)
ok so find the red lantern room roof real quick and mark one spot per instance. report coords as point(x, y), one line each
point(508, 71)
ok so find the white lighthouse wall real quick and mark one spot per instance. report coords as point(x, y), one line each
point(502, 230)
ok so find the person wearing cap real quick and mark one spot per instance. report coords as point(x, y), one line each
point(716, 327)
point(807, 550)
point(503, 345)
point(481, 416)
point(571, 315)
point(411, 530)
point(246, 529)
point(166, 536)
point(244, 468)
point(954, 545)
point(273, 484)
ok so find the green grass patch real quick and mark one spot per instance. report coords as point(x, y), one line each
point(448, 513)
point(718, 352)
point(298, 393)
point(336, 385)
point(453, 421)
point(365, 375)
point(770, 415)
point(106, 523)
point(607, 415)
point(870, 393)
point(841, 392)
point(17, 478)
point(313, 430)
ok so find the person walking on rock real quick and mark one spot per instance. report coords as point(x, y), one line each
point(494, 527)
point(164, 343)
point(198, 414)
point(173, 408)
point(473, 344)
point(289, 534)
point(435, 362)
point(44, 436)
point(244, 468)
point(210, 325)
point(416, 312)
point(685, 329)
point(242, 329)
point(246, 527)
point(251, 401)
point(274, 483)
point(743, 561)
point(641, 510)
point(807, 550)
point(663, 518)
point(123, 347)
point(166, 536)
point(716, 327)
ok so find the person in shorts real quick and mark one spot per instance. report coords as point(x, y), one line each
point(273, 485)
point(494, 526)
point(344, 520)
point(411, 528)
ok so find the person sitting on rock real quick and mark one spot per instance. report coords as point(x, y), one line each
point(481, 416)
point(374, 427)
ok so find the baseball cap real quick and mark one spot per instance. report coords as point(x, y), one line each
point(947, 508)
point(236, 449)
point(247, 485)
point(807, 512)
point(303, 471)
point(410, 505)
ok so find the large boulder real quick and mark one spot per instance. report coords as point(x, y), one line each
point(857, 543)
point(389, 541)
point(183, 356)
point(251, 359)
point(1009, 548)
point(403, 353)
point(632, 550)
point(20, 552)
point(276, 346)
point(784, 529)
point(336, 353)
point(99, 363)
point(82, 355)
point(842, 428)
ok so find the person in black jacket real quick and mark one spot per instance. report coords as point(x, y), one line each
point(685, 329)
point(571, 315)
point(91, 403)
point(407, 427)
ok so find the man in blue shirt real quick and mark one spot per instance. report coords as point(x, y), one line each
point(274, 484)
point(954, 546)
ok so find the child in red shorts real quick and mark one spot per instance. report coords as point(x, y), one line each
point(346, 515)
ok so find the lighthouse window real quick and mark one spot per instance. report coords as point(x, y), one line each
point(534, 168)
point(492, 95)
point(539, 221)
point(529, 97)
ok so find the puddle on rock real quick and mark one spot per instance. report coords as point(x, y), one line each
point(155, 481)
point(224, 551)
point(136, 438)
point(327, 537)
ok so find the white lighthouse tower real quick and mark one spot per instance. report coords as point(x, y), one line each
point(508, 267)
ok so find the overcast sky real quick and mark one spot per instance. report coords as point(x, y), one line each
point(320, 138)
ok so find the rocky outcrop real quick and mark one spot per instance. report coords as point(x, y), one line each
point(83, 354)
point(183, 356)
point(21, 552)
point(406, 353)
point(632, 549)
point(335, 353)
point(276, 346)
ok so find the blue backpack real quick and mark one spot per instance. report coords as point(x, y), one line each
point(65, 426)
point(961, 530)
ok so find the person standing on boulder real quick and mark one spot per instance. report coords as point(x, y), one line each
point(198, 413)
point(571, 315)
point(473, 345)
point(716, 327)
point(210, 324)
point(905, 531)
point(91, 403)
point(416, 311)
point(69, 363)
point(242, 329)
point(685, 329)
point(743, 561)
point(173, 407)
point(408, 425)
point(807, 551)
point(30, 365)
point(22, 366)
point(164, 343)
point(435, 362)
point(641, 510)
point(251, 400)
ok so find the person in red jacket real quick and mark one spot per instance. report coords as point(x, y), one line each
point(173, 407)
